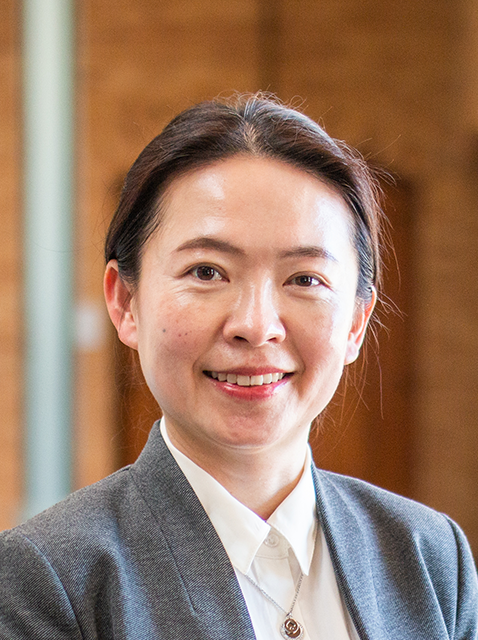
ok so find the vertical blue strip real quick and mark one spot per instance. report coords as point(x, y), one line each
point(48, 80)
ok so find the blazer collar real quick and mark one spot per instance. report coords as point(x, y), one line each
point(347, 545)
point(208, 576)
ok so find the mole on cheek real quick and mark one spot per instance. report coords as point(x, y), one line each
point(164, 330)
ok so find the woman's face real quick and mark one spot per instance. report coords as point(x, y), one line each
point(245, 313)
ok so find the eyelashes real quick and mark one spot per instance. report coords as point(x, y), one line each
point(306, 280)
point(209, 273)
point(205, 273)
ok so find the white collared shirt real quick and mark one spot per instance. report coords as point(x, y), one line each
point(273, 554)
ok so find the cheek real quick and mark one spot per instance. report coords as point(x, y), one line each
point(322, 341)
point(166, 363)
point(169, 345)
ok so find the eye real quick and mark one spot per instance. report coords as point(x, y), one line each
point(206, 273)
point(305, 281)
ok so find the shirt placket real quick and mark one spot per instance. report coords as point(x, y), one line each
point(277, 572)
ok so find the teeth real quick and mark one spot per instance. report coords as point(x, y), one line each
point(247, 381)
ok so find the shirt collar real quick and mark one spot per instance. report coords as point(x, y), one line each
point(296, 517)
point(242, 531)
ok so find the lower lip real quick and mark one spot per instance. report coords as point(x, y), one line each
point(255, 392)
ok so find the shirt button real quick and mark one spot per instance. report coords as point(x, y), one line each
point(272, 540)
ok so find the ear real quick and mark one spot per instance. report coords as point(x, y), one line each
point(356, 336)
point(119, 303)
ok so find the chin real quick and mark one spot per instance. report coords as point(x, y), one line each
point(247, 435)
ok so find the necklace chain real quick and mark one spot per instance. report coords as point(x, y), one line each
point(271, 599)
point(290, 628)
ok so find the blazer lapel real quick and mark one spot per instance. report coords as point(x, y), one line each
point(347, 545)
point(207, 574)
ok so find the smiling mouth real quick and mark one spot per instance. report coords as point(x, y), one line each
point(246, 381)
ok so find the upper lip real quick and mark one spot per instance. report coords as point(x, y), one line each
point(250, 371)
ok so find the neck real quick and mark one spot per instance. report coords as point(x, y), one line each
point(260, 477)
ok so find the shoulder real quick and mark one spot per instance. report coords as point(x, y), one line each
point(366, 500)
point(86, 509)
point(64, 564)
point(113, 523)
point(378, 512)
point(80, 531)
point(413, 552)
point(105, 507)
point(54, 555)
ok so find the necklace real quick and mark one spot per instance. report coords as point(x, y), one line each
point(290, 628)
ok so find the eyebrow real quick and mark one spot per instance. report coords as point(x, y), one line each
point(211, 243)
point(311, 251)
point(308, 251)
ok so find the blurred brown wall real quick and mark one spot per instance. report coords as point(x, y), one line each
point(395, 79)
point(10, 268)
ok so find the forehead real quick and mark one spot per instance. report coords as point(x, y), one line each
point(253, 195)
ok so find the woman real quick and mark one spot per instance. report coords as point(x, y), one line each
point(242, 264)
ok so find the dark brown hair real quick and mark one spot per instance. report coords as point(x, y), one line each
point(254, 125)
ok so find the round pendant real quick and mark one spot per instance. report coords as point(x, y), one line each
point(290, 628)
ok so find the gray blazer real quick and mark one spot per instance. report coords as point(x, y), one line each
point(135, 557)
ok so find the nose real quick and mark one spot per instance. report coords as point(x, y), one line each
point(254, 316)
